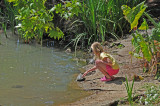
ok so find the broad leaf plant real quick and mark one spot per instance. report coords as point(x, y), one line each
point(147, 47)
point(35, 20)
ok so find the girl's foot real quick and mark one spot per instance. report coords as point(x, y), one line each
point(106, 79)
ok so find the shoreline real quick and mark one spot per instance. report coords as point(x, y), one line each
point(106, 93)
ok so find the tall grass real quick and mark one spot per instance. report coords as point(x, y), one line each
point(3, 22)
point(9, 16)
point(129, 90)
point(4, 26)
point(101, 19)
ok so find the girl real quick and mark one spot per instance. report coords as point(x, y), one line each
point(104, 62)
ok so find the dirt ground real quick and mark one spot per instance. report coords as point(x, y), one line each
point(105, 93)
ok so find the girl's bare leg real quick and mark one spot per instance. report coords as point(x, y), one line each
point(102, 67)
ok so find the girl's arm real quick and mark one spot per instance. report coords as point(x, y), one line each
point(92, 69)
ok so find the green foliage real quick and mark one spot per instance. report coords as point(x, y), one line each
point(7, 14)
point(4, 26)
point(144, 44)
point(10, 13)
point(12, 0)
point(133, 15)
point(129, 89)
point(156, 34)
point(157, 77)
point(68, 10)
point(94, 19)
point(140, 43)
point(144, 25)
point(35, 19)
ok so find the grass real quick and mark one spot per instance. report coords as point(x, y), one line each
point(10, 12)
point(3, 23)
point(100, 20)
point(129, 89)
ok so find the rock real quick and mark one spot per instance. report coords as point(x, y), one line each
point(80, 78)
point(90, 61)
point(68, 50)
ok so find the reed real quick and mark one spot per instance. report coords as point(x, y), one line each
point(100, 20)
point(3, 23)
point(10, 12)
point(4, 26)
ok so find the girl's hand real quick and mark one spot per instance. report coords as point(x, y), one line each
point(84, 74)
point(92, 69)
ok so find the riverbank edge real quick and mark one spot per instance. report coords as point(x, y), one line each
point(115, 89)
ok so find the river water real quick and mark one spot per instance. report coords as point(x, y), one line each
point(31, 75)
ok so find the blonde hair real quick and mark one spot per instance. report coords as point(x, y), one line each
point(97, 48)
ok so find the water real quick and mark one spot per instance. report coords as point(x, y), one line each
point(31, 75)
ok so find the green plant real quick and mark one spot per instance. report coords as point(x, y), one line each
point(3, 22)
point(68, 10)
point(151, 95)
point(10, 12)
point(103, 19)
point(95, 20)
point(147, 45)
point(4, 26)
point(35, 20)
point(129, 90)
point(157, 77)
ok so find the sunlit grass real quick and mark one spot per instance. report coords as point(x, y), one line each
point(129, 90)
point(100, 20)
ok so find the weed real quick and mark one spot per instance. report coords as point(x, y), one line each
point(129, 90)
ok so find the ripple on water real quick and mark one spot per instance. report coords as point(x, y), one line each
point(37, 72)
